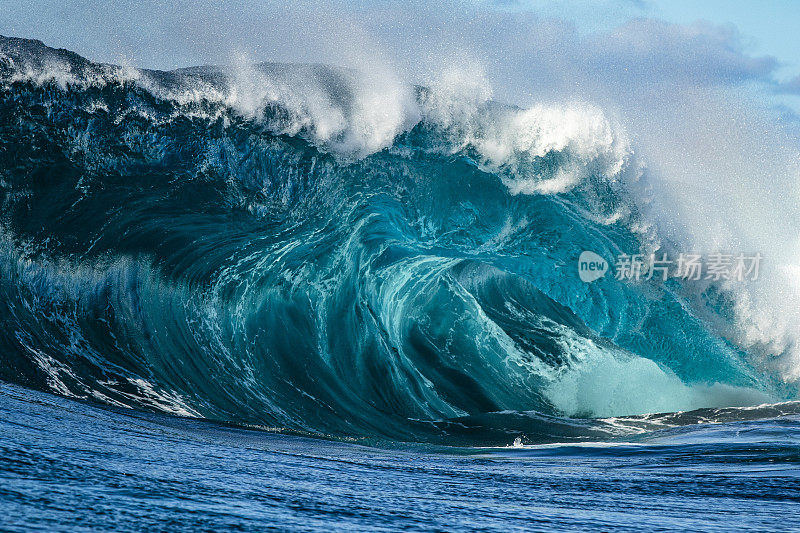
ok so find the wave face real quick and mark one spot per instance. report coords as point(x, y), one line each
point(309, 249)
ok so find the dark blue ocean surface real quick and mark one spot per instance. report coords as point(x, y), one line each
point(71, 466)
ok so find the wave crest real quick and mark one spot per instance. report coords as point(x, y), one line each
point(307, 249)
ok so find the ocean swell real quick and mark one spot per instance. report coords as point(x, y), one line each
point(315, 250)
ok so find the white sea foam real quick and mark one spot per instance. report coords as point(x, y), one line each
point(515, 140)
point(725, 177)
point(602, 382)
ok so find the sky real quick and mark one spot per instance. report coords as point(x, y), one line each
point(766, 28)
point(770, 27)
point(153, 34)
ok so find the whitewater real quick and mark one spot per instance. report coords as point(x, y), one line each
point(240, 256)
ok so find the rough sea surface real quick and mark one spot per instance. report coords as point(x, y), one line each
point(71, 466)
